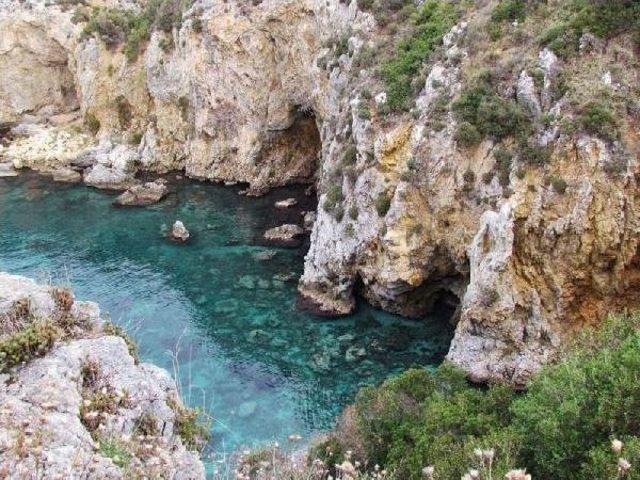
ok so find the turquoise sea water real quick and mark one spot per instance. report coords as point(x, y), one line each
point(263, 369)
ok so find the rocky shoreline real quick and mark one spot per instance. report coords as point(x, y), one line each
point(80, 403)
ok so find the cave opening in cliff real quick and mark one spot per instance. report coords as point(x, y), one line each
point(295, 149)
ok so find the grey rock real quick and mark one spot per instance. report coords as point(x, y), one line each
point(179, 232)
point(288, 203)
point(142, 195)
point(284, 234)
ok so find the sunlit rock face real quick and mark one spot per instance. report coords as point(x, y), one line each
point(272, 94)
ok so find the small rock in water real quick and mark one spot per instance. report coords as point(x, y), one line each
point(288, 203)
point(284, 234)
point(7, 170)
point(247, 281)
point(66, 175)
point(247, 409)
point(265, 255)
point(354, 353)
point(258, 336)
point(143, 194)
point(179, 232)
point(346, 338)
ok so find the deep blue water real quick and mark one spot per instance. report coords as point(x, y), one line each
point(263, 369)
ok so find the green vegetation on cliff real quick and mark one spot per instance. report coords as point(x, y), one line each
point(561, 427)
point(131, 28)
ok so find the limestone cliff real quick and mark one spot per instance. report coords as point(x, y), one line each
point(74, 402)
point(526, 238)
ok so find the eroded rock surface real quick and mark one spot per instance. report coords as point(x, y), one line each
point(86, 407)
point(147, 193)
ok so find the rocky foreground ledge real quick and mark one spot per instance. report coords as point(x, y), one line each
point(74, 400)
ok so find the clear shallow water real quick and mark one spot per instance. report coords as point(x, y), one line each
point(262, 368)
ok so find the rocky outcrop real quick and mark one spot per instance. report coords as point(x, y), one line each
point(83, 406)
point(520, 250)
point(179, 232)
point(147, 193)
point(285, 235)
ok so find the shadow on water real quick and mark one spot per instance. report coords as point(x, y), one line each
point(264, 369)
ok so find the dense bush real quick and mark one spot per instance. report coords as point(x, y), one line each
point(561, 428)
point(431, 22)
point(602, 18)
point(333, 201)
point(383, 204)
point(479, 106)
point(131, 28)
point(467, 135)
point(33, 341)
point(509, 10)
point(597, 119)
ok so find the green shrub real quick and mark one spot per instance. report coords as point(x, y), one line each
point(191, 425)
point(534, 155)
point(350, 156)
point(383, 203)
point(561, 428)
point(467, 135)
point(491, 115)
point(353, 212)
point(598, 119)
point(135, 138)
point(432, 21)
point(113, 449)
point(559, 185)
point(364, 112)
point(33, 341)
point(508, 11)
point(504, 160)
point(333, 199)
point(603, 463)
point(133, 28)
point(572, 410)
point(605, 19)
point(197, 25)
point(420, 419)
point(123, 109)
point(92, 123)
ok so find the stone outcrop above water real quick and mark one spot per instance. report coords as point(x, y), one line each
point(523, 251)
point(144, 194)
point(179, 232)
point(284, 234)
point(86, 406)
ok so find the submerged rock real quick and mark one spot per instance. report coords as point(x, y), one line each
point(66, 175)
point(265, 255)
point(288, 203)
point(142, 195)
point(179, 232)
point(247, 409)
point(284, 234)
point(7, 170)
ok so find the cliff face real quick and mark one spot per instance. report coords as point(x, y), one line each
point(74, 402)
point(525, 239)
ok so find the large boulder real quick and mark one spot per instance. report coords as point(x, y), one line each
point(143, 194)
